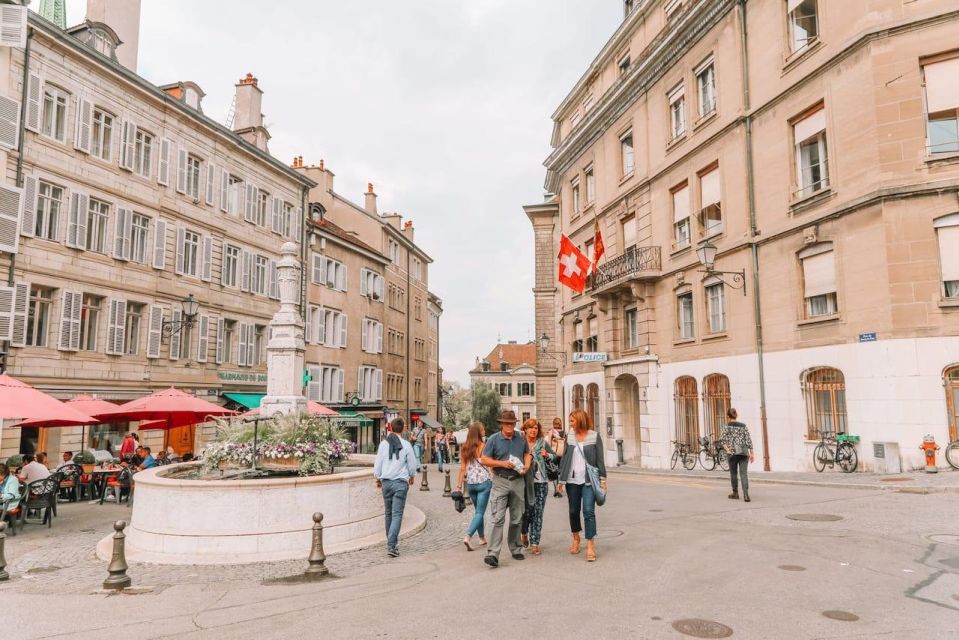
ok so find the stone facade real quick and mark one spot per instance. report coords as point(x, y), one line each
point(510, 368)
point(801, 147)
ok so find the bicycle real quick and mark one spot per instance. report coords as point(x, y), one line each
point(684, 451)
point(952, 454)
point(711, 454)
point(844, 453)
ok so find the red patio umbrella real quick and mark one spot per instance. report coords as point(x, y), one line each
point(162, 425)
point(312, 408)
point(86, 404)
point(20, 401)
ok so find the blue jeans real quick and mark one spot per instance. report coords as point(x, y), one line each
point(418, 452)
point(440, 458)
point(479, 494)
point(394, 501)
point(581, 498)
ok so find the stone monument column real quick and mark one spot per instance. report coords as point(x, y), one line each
point(285, 351)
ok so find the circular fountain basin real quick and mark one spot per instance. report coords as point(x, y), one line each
point(211, 521)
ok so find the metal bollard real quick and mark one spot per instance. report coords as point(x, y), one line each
point(425, 485)
point(620, 458)
point(317, 568)
point(118, 578)
point(3, 559)
point(447, 489)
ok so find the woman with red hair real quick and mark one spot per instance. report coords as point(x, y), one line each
point(583, 447)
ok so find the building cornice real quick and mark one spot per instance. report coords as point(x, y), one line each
point(329, 237)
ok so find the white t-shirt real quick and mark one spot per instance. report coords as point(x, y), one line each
point(577, 471)
point(34, 471)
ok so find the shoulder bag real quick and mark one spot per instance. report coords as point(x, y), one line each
point(549, 463)
point(592, 474)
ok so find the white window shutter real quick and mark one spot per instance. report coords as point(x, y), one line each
point(9, 122)
point(159, 245)
point(308, 332)
point(297, 224)
point(181, 170)
point(274, 282)
point(365, 335)
point(379, 337)
point(34, 101)
point(206, 273)
point(321, 325)
point(210, 183)
point(246, 264)
point(128, 235)
point(251, 354)
point(21, 304)
point(364, 290)
point(83, 138)
point(239, 198)
point(163, 162)
point(342, 325)
point(115, 327)
point(175, 337)
point(28, 219)
point(378, 384)
point(70, 306)
point(378, 286)
point(11, 210)
point(338, 395)
point(250, 203)
point(317, 272)
point(274, 218)
point(224, 190)
point(8, 297)
point(341, 277)
point(220, 328)
point(203, 339)
point(155, 335)
point(13, 26)
point(314, 384)
point(180, 246)
point(241, 352)
point(121, 239)
point(77, 222)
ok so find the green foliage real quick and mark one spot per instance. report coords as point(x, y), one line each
point(15, 461)
point(457, 406)
point(486, 406)
point(84, 457)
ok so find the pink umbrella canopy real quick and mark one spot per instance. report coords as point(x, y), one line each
point(20, 401)
point(312, 408)
point(85, 404)
point(173, 423)
point(169, 405)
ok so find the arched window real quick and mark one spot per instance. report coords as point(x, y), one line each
point(578, 397)
point(687, 410)
point(825, 391)
point(951, 383)
point(592, 404)
point(716, 399)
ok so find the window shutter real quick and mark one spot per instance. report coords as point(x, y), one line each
point(365, 336)
point(206, 272)
point(159, 245)
point(13, 26)
point(9, 122)
point(378, 384)
point(681, 204)
point(28, 219)
point(379, 337)
point(11, 207)
point(34, 101)
point(274, 282)
point(313, 386)
point(210, 183)
point(246, 263)
point(116, 326)
point(248, 203)
point(274, 215)
point(82, 139)
point(181, 170)
point(156, 331)
point(378, 286)
point(819, 272)
point(338, 396)
point(224, 190)
point(308, 330)
point(341, 324)
point(949, 252)
point(241, 352)
point(240, 200)
point(128, 145)
point(364, 289)
point(251, 354)
point(8, 297)
point(77, 222)
point(21, 304)
point(121, 249)
point(175, 337)
point(319, 270)
point(810, 126)
point(297, 224)
point(180, 246)
point(341, 277)
point(70, 309)
point(163, 163)
point(203, 339)
point(321, 326)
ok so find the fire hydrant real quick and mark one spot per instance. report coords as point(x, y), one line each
point(930, 447)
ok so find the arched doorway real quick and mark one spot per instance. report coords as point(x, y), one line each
point(950, 379)
point(578, 397)
point(716, 402)
point(686, 398)
point(592, 406)
point(628, 415)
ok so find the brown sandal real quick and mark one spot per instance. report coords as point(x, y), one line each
point(574, 546)
point(534, 550)
point(590, 551)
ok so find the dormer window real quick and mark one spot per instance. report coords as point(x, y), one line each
point(504, 366)
point(103, 44)
point(192, 98)
point(98, 36)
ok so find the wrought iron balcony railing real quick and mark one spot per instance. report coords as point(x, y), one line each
point(635, 263)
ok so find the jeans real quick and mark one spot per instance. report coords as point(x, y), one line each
point(581, 498)
point(479, 494)
point(511, 495)
point(737, 467)
point(418, 452)
point(533, 517)
point(394, 501)
point(440, 458)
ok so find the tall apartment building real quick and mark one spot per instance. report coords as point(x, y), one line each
point(510, 368)
point(370, 293)
point(809, 151)
point(126, 209)
point(434, 374)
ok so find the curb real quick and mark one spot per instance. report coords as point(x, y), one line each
point(758, 478)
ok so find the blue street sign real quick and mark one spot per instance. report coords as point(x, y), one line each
point(867, 337)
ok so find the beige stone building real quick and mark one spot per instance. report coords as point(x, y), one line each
point(510, 368)
point(120, 201)
point(810, 150)
point(434, 373)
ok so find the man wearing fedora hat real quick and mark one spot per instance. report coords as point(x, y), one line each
point(509, 457)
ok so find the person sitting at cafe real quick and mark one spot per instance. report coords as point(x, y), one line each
point(188, 456)
point(162, 457)
point(33, 468)
point(148, 460)
point(9, 486)
point(67, 459)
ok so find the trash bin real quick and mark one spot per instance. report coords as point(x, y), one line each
point(886, 456)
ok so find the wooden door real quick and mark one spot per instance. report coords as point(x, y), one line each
point(181, 439)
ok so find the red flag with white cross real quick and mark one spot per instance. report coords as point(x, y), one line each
point(573, 266)
point(599, 249)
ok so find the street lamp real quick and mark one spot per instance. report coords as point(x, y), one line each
point(706, 252)
point(544, 348)
point(188, 307)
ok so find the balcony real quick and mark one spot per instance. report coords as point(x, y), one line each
point(636, 265)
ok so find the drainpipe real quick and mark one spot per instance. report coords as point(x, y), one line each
point(753, 235)
point(409, 338)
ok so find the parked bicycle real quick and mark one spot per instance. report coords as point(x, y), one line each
point(952, 454)
point(685, 452)
point(712, 453)
point(836, 449)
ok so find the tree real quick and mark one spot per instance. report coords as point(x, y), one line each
point(457, 405)
point(486, 406)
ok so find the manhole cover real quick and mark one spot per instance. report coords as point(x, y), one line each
point(43, 570)
point(814, 517)
point(698, 628)
point(842, 616)
point(945, 538)
point(791, 567)
point(895, 479)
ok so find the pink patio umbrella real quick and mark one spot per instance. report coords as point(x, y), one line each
point(86, 404)
point(312, 408)
point(20, 401)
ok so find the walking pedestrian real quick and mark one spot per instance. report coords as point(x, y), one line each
point(418, 440)
point(537, 484)
point(394, 470)
point(739, 447)
point(557, 439)
point(478, 481)
point(583, 446)
point(508, 455)
point(442, 448)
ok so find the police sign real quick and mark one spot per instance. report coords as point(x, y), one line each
point(590, 356)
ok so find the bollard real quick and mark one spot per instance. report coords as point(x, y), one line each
point(447, 489)
point(3, 559)
point(317, 568)
point(425, 485)
point(118, 579)
point(620, 458)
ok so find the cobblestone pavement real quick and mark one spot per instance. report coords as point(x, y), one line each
point(62, 559)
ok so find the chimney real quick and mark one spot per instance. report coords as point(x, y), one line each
point(123, 16)
point(248, 120)
point(408, 230)
point(370, 199)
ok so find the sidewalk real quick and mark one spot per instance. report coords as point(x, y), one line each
point(946, 481)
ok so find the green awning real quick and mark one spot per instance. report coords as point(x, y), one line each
point(354, 417)
point(430, 422)
point(248, 400)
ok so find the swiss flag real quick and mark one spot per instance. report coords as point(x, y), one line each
point(573, 266)
point(599, 249)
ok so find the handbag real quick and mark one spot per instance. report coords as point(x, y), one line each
point(592, 474)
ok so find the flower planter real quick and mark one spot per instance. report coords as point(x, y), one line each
point(277, 464)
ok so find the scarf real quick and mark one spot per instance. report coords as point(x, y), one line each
point(396, 447)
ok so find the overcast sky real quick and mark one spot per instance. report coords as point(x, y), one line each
point(443, 104)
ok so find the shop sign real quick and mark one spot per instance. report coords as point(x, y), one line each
point(867, 337)
point(590, 356)
point(244, 377)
